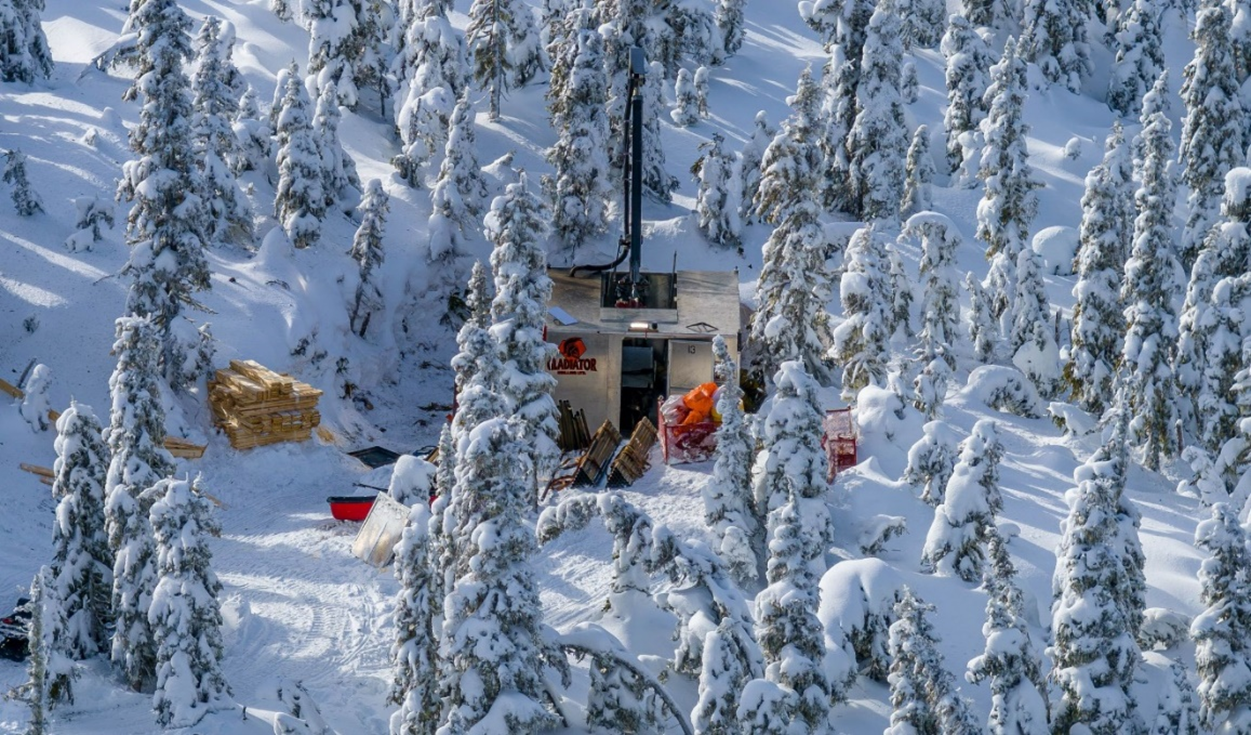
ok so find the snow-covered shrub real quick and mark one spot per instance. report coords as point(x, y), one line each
point(857, 607)
point(35, 401)
point(1163, 628)
point(1073, 420)
point(412, 481)
point(1058, 247)
point(878, 530)
point(1003, 389)
point(931, 459)
point(92, 211)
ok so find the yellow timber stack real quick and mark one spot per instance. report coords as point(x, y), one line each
point(256, 406)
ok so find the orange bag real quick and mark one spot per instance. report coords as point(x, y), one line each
point(699, 400)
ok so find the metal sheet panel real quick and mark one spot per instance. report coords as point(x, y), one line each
point(588, 372)
point(690, 364)
point(381, 531)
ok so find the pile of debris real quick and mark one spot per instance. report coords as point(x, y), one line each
point(256, 406)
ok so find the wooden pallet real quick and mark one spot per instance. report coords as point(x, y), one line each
point(631, 461)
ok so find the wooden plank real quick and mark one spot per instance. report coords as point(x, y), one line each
point(35, 469)
point(11, 389)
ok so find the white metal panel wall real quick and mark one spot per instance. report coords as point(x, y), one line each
point(690, 364)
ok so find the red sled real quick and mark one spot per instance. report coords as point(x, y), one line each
point(350, 507)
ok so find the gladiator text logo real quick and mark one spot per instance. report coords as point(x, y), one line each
point(571, 360)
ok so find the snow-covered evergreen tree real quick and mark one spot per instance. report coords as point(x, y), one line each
point(656, 179)
point(340, 182)
point(135, 438)
point(1178, 711)
point(24, 52)
point(877, 141)
point(413, 685)
point(860, 341)
point(82, 565)
point(791, 323)
point(25, 200)
point(1222, 631)
point(718, 194)
point(918, 173)
point(1148, 291)
point(374, 50)
point(368, 253)
point(333, 47)
point(955, 543)
point(685, 100)
point(488, 41)
point(1017, 686)
point(1139, 57)
point(940, 312)
point(968, 62)
point(432, 68)
point(491, 629)
point(254, 145)
point(460, 191)
point(214, 103)
point(702, 90)
point(729, 508)
point(50, 671)
point(931, 461)
point(517, 226)
point(843, 27)
point(471, 338)
point(1098, 319)
point(1094, 652)
point(185, 614)
point(751, 163)
point(93, 212)
point(923, 694)
point(729, 18)
point(300, 199)
point(1213, 130)
point(34, 406)
point(982, 328)
point(1031, 337)
point(1054, 38)
point(1008, 201)
point(723, 674)
point(579, 188)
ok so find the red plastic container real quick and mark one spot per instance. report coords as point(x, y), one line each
point(350, 507)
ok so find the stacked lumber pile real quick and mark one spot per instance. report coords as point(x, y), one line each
point(256, 406)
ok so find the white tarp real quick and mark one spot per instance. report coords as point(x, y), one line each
point(380, 532)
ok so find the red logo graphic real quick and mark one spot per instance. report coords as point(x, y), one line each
point(571, 360)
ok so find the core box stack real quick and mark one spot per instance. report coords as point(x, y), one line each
point(256, 406)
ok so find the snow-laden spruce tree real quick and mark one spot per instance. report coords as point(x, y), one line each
point(1104, 234)
point(718, 194)
point(340, 182)
point(1210, 338)
point(702, 89)
point(580, 185)
point(491, 629)
point(254, 146)
point(333, 47)
point(94, 211)
point(1094, 651)
point(1222, 395)
point(1178, 711)
point(938, 239)
point(517, 225)
point(185, 614)
point(50, 671)
point(471, 337)
point(413, 684)
point(729, 507)
point(918, 173)
point(374, 38)
point(214, 103)
point(1222, 631)
point(923, 695)
point(1150, 286)
point(433, 70)
point(368, 253)
point(656, 179)
point(1014, 669)
point(1054, 38)
point(82, 565)
point(459, 193)
point(729, 18)
point(791, 323)
point(751, 164)
point(25, 200)
point(860, 342)
point(877, 141)
point(1008, 201)
point(300, 199)
point(968, 63)
point(138, 460)
point(685, 110)
point(1031, 336)
point(34, 406)
point(983, 329)
point(962, 521)
point(723, 674)
point(488, 42)
point(1139, 57)
point(24, 53)
point(167, 224)
point(843, 27)
point(1213, 129)
point(931, 461)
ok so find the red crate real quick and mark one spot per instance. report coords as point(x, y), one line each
point(679, 443)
